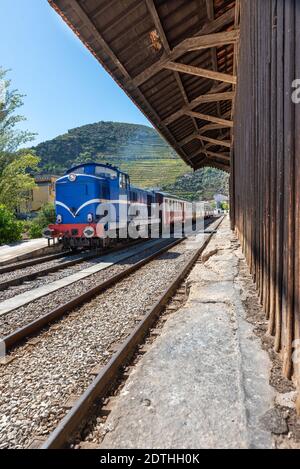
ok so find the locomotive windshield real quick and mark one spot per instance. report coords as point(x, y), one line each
point(106, 172)
point(79, 170)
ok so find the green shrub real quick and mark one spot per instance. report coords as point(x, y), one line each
point(10, 228)
point(26, 226)
point(35, 230)
point(45, 217)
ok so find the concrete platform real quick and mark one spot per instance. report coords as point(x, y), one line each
point(204, 383)
point(10, 253)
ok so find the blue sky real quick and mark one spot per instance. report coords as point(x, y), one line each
point(65, 86)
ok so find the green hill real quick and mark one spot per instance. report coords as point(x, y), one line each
point(136, 149)
point(201, 185)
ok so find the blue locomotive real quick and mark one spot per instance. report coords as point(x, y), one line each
point(85, 196)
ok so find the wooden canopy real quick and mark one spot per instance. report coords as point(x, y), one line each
point(176, 60)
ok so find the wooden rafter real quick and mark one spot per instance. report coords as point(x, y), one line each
point(197, 155)
point(210, 10)
point(190, 44)
point(201, 72)
point(209, 127)
point(218, 155)
point(163, 37)
point(214, 141)
point(123, 67)
point(86, 20)
point(189, 139)
point(200, 136)
point(205, 117)
point(207, 41)
point(210, 28)
point(206, 98)
point(201, 157)
point(152, 9)
point(235, 56)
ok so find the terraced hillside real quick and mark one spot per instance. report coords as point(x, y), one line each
point(137, 150)
point(201, 185)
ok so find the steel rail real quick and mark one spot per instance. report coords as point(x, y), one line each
point(38, 260)
point(61, 436)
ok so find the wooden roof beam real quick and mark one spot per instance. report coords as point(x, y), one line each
point(218, 155)
point(206, 98)
point(222, 143)
point(201, 72)
point(152, 9)
point(103, 44)
point(209, 28)
point(215, 120)
point(210, 10)
point(212, 97)
point(199, 154)
point(209, 127)
point(188, 139)
point(155, 17)
point(208, 41)
point(92, 28)
point(200, 136)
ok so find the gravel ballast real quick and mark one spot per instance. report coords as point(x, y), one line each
point(37, 308)
point(44, 280)
point(35, 385)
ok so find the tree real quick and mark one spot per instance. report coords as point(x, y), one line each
point(10, 100)
point(15, 182)
point(15, 165)
point(225, 206)
point(45, 217)
point(10, 228)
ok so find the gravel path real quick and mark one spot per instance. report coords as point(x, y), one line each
point(27, 313)
point(35, 385)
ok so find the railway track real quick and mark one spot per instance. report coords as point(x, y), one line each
point(56, 267)
point(15, 276)
point(108, 376)
point(16, 337)
point(59, 362)
point(20, 317)
point(54, 277)
point(31, 262)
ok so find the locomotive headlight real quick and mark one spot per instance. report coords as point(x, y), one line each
point(89, 232)
point(59, 219)
point(72, 177)
point(90, 217)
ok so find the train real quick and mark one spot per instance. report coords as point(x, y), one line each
point(88, 193)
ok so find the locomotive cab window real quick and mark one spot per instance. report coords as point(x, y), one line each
point(79, 170)
point(105, 172)
point(123, 181)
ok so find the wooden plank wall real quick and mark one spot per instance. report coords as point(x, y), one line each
point(266, 164)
